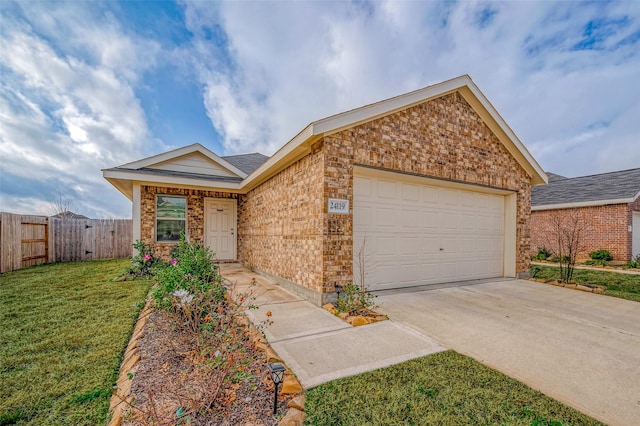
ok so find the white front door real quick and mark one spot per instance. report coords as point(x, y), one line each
point(220, 227)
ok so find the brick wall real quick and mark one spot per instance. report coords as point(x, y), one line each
point(195, 213)
point(605, 227)
point(442, 138)
point(280, 224)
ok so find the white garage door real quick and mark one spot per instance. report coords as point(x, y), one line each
point(419, 232)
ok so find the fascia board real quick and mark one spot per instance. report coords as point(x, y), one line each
point(507, 136)
point(175, 181)
point(389, 106)
point(581, 204)
point(290, 152)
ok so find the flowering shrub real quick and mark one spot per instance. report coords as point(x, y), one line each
point(189, 279)
point(143, 263)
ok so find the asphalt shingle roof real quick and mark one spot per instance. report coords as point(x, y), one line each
point(623, 184)
point(247, 162)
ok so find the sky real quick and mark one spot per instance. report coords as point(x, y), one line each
point(88, 85)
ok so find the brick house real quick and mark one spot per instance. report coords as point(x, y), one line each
point(434, 180)
point(607, 204)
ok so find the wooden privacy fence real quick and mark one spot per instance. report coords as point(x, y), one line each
point(31, 240)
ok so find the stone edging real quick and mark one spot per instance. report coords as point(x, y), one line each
point(588, 289)
point(616, 269)
point(290, 386)
point(121, 398)
point(354, 320)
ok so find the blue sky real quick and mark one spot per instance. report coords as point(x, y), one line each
point(91, 85)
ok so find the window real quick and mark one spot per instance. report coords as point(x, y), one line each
point(171, 217)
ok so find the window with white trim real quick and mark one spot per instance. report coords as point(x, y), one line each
point(171, 217)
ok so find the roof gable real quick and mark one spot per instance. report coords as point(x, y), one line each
point(195, 159)
point(605, 188)
point(301, 143)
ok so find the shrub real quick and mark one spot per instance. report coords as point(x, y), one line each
point(634, 263)
point(354, 299)
point(542, 254)
point(143, 263)
point(190, 278)
point(601, 254)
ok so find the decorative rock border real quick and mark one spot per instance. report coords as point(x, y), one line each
point(121, 398)
point(574, 286)
point(355, 320)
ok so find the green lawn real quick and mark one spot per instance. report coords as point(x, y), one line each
point(441, 389)
point(624, 286)
point(64, 330)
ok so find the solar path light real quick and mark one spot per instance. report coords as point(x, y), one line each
point(277, 375)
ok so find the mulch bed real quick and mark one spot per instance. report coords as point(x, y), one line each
point(171, 386)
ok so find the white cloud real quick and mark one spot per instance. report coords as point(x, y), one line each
point(562, 74)
point(65, 114)
point(537, 62)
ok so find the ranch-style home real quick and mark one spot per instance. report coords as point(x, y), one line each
point(607, 205)
point(434, 180)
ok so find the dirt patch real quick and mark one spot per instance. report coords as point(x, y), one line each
point(173, 382)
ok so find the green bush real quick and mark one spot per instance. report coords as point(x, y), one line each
point(542, 254)
point(354, 299)
point(634, 263)
point(601, 254)
point(143, 263)
point(190, 274)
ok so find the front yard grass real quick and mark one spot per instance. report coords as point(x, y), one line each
point(443, 388)
point(64, 330)
point(624, 286)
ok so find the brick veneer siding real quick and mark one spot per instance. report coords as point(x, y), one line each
point(443, 138)
point(605, 227)
point(195, 214)
point(280, 224)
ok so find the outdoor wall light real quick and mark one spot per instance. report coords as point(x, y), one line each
point(277, 375)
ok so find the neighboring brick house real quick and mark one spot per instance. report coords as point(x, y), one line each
point(607, 205)
point(434, 180)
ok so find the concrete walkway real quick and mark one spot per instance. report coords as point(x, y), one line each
point(317, 345)
point(580, 348)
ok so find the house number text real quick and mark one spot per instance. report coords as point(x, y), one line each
point(337, 205)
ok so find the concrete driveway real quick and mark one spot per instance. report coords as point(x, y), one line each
point(580, 348)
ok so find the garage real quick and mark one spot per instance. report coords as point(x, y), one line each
point(422, 231)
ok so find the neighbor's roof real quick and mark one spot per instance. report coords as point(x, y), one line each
point(606, 188)
point(244, 172)
point(69, 215)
